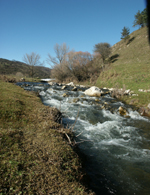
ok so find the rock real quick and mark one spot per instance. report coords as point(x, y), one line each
point(127, 92)
point(141, 90)
point(135, 94)
point(65, 95)
point(82, 86)
point(71, 84)
point(51, 83)
point(93, 91)
point(75, 100)
point(22, 80)
point(64, 87)
point(82, 96)
point(144, 112)
point(74, 89)
point(122, 111)
point(42, 93)
point(148, 106)
point(97, 100)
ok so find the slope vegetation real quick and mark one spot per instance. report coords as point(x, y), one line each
point(130, 65)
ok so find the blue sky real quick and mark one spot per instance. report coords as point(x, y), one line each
point(37, 25)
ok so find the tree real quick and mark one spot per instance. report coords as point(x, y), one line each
point(145, 16)
point(104, 49)
point(32, 59)
point(125, 33)
point(77, 64)
point(141, 18)
point(60, 51)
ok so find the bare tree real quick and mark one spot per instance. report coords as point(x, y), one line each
point(60, 51)
point(32, 59)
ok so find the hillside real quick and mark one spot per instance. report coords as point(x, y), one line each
point(130, 69)
point(8, 67)
point(130, 63)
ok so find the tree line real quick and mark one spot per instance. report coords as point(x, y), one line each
point(70, 65)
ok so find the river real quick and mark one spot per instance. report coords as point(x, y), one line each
point(116, 148)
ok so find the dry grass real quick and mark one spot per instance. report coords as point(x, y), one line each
point(34, 156)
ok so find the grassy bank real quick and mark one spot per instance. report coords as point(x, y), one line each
point(34, 156)
point(130, 67)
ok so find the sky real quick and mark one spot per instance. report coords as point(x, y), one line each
point(37, 25)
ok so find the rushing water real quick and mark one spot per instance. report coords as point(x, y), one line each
point(116, 148)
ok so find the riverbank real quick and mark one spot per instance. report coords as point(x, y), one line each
point(35, 157)
point(140, 99)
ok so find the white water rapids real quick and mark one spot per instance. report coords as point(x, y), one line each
point(116, 149)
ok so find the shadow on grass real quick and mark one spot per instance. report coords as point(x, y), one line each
point(114, 58)
point(130, 40)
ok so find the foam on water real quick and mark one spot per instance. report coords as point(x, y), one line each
point(136, 115)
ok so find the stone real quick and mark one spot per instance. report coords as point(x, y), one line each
point(74, 89)
point(75, 100)
point(71, 84)
point(51, 83)
point(82, 86)
point(22, 80)
point(122, 111)
point(127, 92)
point(64, 87)
point(93, 91)
point(65, 95)
point(42, 93)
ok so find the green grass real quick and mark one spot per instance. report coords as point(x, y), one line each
point(34, 156)
point(130, 66)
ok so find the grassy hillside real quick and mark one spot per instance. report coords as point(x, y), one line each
point(8, 67)
point(130, 65)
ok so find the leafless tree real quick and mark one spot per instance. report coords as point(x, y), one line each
point(60, 51)
point(32, 60)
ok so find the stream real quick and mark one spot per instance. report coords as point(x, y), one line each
point(116, 148)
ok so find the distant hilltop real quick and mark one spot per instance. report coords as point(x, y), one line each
point(8, 67)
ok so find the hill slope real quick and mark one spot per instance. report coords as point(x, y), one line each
point(130, 63)
point(8, 67)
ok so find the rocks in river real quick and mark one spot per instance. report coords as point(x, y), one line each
point(42, 93)
point(71, 84)
point(75, 100)
point(144, 111)
point(64, 87)
point(65, 95)
point(123, 111)
point(93, 91)
point(74, 89)
point(52, 83)
point(22, 80)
